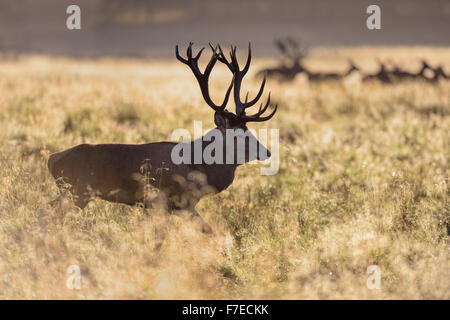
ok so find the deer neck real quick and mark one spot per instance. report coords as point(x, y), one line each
point(219, 175)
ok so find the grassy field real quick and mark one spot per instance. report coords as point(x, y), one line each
point(363, 181)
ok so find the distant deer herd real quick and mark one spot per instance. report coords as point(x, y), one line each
point(292, 56)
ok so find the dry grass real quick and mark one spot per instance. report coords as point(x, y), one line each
point(363, 181)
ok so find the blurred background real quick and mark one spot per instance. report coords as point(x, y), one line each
point(139, 28)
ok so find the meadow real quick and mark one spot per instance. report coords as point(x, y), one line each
point(363, 180)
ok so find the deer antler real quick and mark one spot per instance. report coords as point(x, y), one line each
point(238, 75)
point(203, 78)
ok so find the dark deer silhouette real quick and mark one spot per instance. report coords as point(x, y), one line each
point(292, 55)
point(382, 75)
point(326, 76)
point(439, 73)
point(399, 74)
point(120, 172)
point(352, 68)
point(421, 73)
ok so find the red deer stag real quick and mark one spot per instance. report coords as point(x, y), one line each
point(292, 55)
point(113, 172)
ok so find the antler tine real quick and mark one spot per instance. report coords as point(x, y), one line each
point(202, 78)
point(285, 49)
point(177, 54)
point(242, 112)
point(258, 96)
point(227, 95)
point(198, 54)
point(261, 119)
point(214, 49)
point(238, 76)
point(280, 45)
point(189, 50)
point(222, 58)
point(249, 59)
point(210, 64)
point(260, 111)
point(292, 43)
point(261, 108)
point(234, 60)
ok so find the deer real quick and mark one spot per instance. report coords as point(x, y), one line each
point(352, 68)
point(421, 72)
point(119, 173)
point(398, 74)
point(319, 76)
point(382, 75)
point(291, 60)
point(439, 73)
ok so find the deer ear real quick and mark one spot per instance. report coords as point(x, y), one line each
point(221, 121)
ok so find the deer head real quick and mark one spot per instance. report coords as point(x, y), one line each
point(291, 50)
point(352, 67)
point(233, 126)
